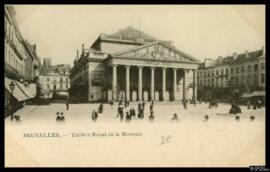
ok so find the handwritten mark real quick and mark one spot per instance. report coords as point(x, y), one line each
point(166, 139)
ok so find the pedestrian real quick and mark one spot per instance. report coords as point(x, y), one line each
point(206, 117)
point(174, 118)
point(259, 104)
point(128, 117)
point(151, 109)
point(151, 117)
point(133, 113)
point(100, 109)
point(252, 118)
point(121, 114)
point(94, 115)
point(62, 117)
point(254, 105)
point(237, 118)
point(143, 105)
point(248, 104)
point(185, 104)
point(118, 111)
point(67, 102)
point(58, 118)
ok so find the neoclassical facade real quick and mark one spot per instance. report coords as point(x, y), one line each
point(120, 67)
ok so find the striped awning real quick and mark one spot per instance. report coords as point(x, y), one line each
point(17, 92)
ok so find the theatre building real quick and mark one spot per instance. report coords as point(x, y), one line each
point(131, 65)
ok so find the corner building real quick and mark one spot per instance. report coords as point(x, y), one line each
point(131, 65)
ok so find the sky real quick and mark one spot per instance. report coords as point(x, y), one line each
point(203, 31)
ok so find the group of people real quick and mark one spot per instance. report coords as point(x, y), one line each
point(60, 116)
point(256, 104)
point(131, 113)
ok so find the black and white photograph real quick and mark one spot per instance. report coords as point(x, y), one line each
point(134, 85)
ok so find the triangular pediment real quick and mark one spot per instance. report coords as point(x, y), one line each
point(156, 51)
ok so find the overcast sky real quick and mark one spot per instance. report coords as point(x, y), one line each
point(201, 31)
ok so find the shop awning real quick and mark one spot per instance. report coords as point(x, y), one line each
point(24, 89)
point(254, 94)
point(17, 92)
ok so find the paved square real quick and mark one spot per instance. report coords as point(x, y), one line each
point(222, 141)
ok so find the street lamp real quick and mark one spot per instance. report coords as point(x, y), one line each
point(12, 87)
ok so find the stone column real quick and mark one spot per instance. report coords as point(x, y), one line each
point(184, 85)
point(194, 89)
point(174, 83)
point(163, 83)
point(140, 83)
point(127, 83)
point(114, 82)
point(152, 83)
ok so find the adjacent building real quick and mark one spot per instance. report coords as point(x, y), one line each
point(21, 65)
point(232, 76)
point(54, 81)
point(132, 65)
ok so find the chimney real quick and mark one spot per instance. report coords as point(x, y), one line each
point(82, 49)
point(77, 54)
point(263, 48)
point(246, 53)
point(235, 55)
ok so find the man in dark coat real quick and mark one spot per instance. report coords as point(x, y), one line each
point(94, 115)
point(67, 102)
point(100, 109)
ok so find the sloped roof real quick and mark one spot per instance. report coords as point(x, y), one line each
point(253, 55)
point(60, 69)
point(131, 33)
point(151, 44)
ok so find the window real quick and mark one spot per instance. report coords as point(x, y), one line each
point(243, 69)
point(243, 80)
point(208, 74)
point(262, 78)
point(255, 79)
point(237, 69)
point(222, 72)
point(217, 82)
point(249, 68)
point(48, 86)
point(255, 67)
point(262, 66)
point(61, 79)
point(236, 80)
point(61, 86)
point(66, 86)
point(231, 70)
point(48, 79)
point(227, 71)
point(216, 72)
point(213, 82)
point(249, 79)
point(66, 79)
point(213, 73)
point(208, 82)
